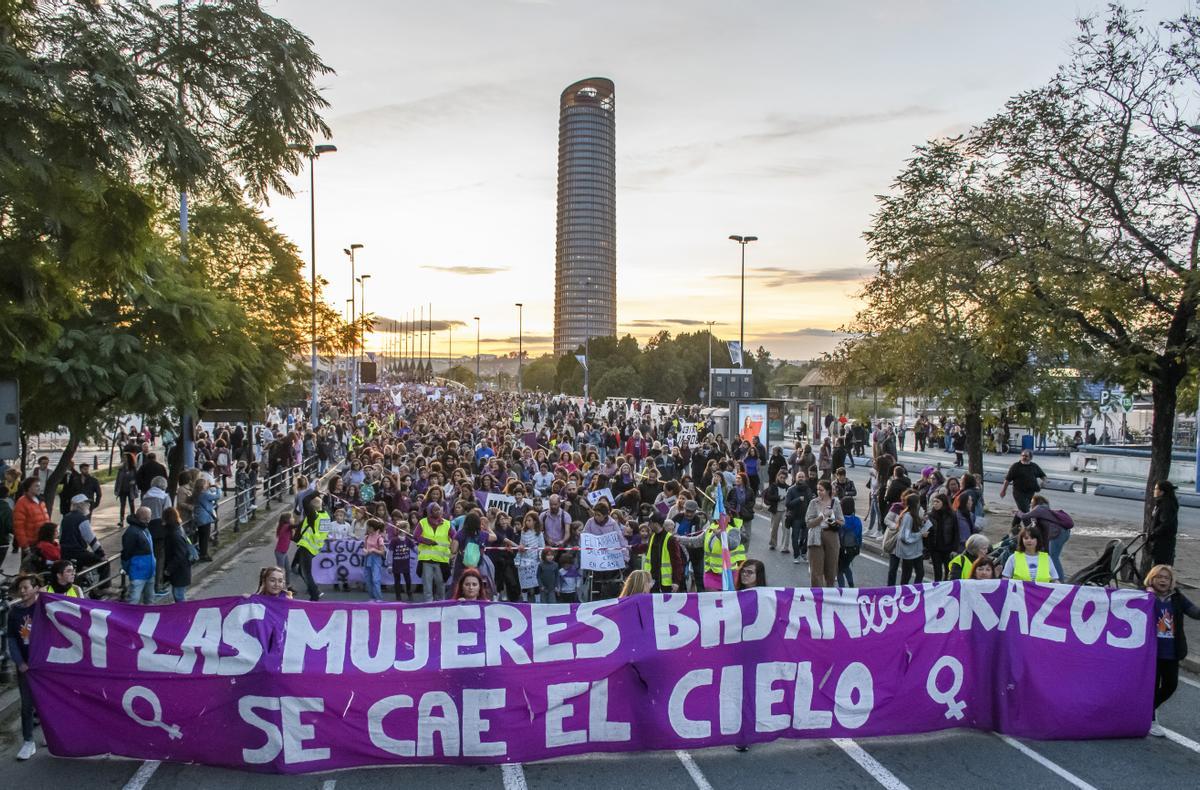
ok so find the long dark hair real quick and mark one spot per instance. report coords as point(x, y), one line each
point(1168, 493)
point(912, 506)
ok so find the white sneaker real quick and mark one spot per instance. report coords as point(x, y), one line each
point(796, 561)
point(1155, 729)
point(27, 750)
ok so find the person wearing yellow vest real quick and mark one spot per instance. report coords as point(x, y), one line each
point(710, 541)
point(959, 567)
point(433, 553)
point(62, 580)
point(310, 540)
point(1032, 562)
point(663, 558)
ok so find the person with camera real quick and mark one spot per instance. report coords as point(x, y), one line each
point(824, 519)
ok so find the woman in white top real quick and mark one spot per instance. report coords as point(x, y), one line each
point(1032, 562)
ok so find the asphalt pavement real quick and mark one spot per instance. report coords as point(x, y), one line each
point(952, 759)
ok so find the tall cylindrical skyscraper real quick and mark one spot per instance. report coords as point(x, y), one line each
point(585, 266)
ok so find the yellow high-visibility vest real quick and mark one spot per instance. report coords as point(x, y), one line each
point(712, 552)
point(312, 536)
point(1021, 567)
point(664, 561)
point(440, 535)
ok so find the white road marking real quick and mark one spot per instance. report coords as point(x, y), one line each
point(873, 558)
point(1182, 740)
point(693, 770)
point(144, 772)
point(1046, 762)
point(869, 764)
point(329, 784)
point(1189, 681)
point(514, 776)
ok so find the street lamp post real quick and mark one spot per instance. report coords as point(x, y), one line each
point(520, 344)
point(353, 351)
point(743, 241)
point(362, 311)
point(708, 386)
point(313, 154)
point(476, 352)
point(587, 341)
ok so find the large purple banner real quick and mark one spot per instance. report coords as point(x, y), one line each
point(284, 686)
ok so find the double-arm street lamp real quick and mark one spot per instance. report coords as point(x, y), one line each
point(743, 241)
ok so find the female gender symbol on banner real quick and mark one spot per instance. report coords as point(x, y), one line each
point(954, 708)
point(142, 693)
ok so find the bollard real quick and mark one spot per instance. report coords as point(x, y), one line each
point(1085, 485)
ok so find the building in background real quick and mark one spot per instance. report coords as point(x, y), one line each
point(585, 266)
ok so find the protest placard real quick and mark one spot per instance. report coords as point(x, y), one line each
point(601, 552)
point(502, 502)
point(687, 433)
point(604, 493)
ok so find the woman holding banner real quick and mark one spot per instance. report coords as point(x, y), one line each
point(1170, 608)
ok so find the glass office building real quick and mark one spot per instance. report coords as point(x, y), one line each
point(585, 266)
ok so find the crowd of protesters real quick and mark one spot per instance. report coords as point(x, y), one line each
point(488, 496)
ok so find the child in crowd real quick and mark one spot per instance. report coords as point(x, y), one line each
point(374, 550)
point(340, 528)
point(283, 543)
point(851, 541)
point(568, 578)
point(547, 575)
point(401, 545)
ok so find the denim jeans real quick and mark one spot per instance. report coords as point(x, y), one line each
point(141, 591)
point(179, 593)
point(1056, 547)
point(373, 575)
point(799, 539)
point(845, 574)
point(281, 559)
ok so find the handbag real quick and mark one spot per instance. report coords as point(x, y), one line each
point(193, 552)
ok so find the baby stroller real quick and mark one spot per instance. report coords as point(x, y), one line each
point(1116, 565)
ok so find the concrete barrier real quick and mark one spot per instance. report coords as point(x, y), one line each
point(1121, 492)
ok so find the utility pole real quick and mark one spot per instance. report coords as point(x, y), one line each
point(520, 345)
point(708, 386)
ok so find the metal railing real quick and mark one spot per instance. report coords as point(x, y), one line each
point(272, 488)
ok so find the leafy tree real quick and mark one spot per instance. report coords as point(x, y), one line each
point(1109, 151)
point(622, 381)
point(944, 318)
point(462, 375)
point(540, 373)
point(100, 315)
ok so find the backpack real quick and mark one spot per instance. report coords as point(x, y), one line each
point(471, 555)
point(849, 543)
point(1064, 520)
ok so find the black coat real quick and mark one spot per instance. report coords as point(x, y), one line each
point(1182, 607)
point(1164, 526)
point(177, 568)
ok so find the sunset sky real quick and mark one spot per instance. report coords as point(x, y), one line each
point(776, 119)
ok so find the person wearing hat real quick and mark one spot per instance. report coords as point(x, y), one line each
point(691, 520)
point(77, 540)
point(664, 558)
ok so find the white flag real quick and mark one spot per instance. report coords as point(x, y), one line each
point(735, 352)
point(582, 360)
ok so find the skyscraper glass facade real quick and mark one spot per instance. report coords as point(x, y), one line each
point(585, 281)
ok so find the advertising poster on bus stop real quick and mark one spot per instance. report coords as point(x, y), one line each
point(752, 421)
